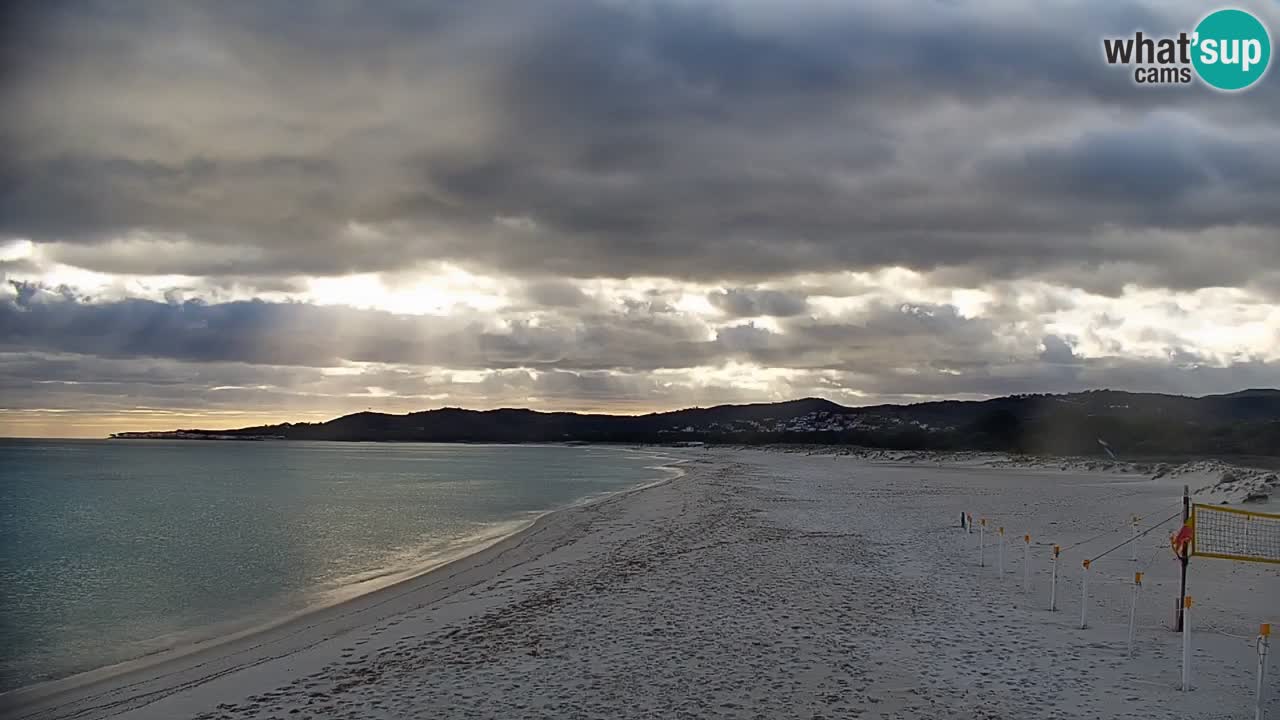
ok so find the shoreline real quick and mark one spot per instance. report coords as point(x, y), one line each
point(467, 567)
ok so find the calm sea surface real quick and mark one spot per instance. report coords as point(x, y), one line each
point(112, 550)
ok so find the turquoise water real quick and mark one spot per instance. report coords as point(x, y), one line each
point(112, 550)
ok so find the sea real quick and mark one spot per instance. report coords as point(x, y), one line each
point(113, 550)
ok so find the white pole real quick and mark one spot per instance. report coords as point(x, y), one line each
point(1133, 609)
point(1133, 540)
point(982, 542)
point(1026, 563)
point(1053, 581)
point(1084, 596)
point(1186, 643)
point(1001, 552)
point(1264, 642)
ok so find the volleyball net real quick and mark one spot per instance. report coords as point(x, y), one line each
point(1231, 534)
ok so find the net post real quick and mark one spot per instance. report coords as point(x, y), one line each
point(1264, 644)
point(1133, 539)
point(1186, 557)
point(1053, 580)
point(1001, 552)
point(1084, 596)
point(1186, 643)
point(1133, 609)
point(982, 542)
point(1026, 563)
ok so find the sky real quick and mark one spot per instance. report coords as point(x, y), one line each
point(225, 214)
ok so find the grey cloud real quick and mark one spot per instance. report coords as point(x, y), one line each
point(741, 302)
point(301, 334)
point(555, 293)
point(1136, 375)
point(1238, 256)
point(887, 339)
point(96, 385)
point(745, 339)
point(13, 267)
point(641, 336)
point(1163, 171)
point(92, 385)
point(1057, 351)
point(738, 143)
point(695, 140)
point(883, 345)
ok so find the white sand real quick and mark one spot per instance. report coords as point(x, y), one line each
point(759, 585)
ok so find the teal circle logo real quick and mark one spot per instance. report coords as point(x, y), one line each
point(1232, 49)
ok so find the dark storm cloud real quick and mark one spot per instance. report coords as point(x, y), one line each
point(694, 139)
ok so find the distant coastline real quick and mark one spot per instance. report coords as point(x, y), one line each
point(189, 435)
point(1102, 423)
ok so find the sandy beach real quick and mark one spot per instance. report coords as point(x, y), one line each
point(758, 585)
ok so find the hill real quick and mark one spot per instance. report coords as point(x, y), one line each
point(1131, 425)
